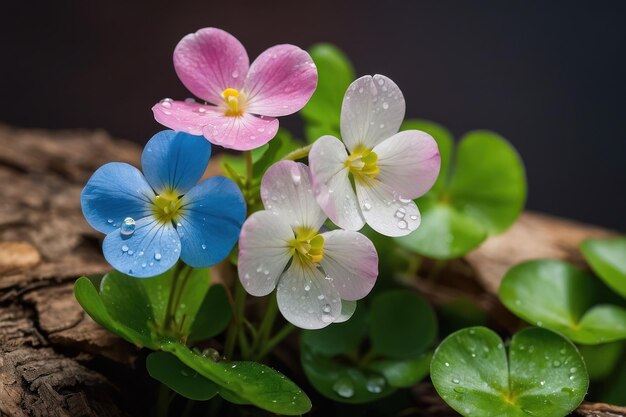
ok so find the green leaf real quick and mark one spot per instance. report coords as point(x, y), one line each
point(280, 146)
point(543, 375)
point(403, 373)
point(335, 73)
point(563, 298)
point(601, 360)
point(169, 370)
point(480, 192)
point(338, 338)
point(342, 382)
point(237, 163)
point(402, 324)
point(607, 258)
point(213, 316)
point(246, 381)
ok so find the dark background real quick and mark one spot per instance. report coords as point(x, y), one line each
point(549, 76)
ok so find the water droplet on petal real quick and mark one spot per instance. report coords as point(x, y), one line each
point(402, 224)
point(125, 248)
point(235, 74)
point(128, 226)
point(203, 246)
point(157, 256)
point(385, 106)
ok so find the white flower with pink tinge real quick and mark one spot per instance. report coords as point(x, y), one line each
point(318, 275)
point(390, 168)
point(244, 99)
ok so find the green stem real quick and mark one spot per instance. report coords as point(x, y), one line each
point(238, 317)
point(171, 298)
point(367, 358)
point(278, 337)
point(298, 153)
point(164, 400)
point(266, 325)
point(249, 168)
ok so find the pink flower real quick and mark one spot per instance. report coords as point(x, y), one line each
point(244, 99)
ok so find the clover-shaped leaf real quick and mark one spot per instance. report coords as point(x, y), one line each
point(480, 192)
point(169, 370)
point(607, 258)
point(246, 381)
point(335, 73)
point(400, 327)
point(543, 374)
point(561, 297)
point(601, 360)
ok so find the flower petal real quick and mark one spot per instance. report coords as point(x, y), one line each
point(263, 252)
point(409, 162)
point(347, 310)
point(240, 133)
point(152, 249)
point(331, 185)
point(190, 117)
point(280, 81)
point(115, 191)
point(306, 299)
point(372, 110)
point(175, 161)
point(213, 213)
point(210, 61)
point(385, 211)
point(286, 191)
point(351, 260)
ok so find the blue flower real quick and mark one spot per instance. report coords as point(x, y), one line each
point(152, 219)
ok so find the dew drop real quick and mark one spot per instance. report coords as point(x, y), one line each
point(326, 308)
point(460, 390)
point(385, 106)
point(375, 384)
point(157, 256)
point(572, 370)
point(124, 248)
point(235, 74)
point(447, 364)
point(110, 221)
point(343, 387)
point(456, 381)
point(203, 246)
point(307, 287)
point(556, 363)
point(402, 224)
point(128, 226)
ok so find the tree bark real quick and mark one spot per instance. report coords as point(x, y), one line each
point(55, 361)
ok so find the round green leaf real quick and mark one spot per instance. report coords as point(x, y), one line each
point(543, 376)
point(607, 258)
point(561, 297)
point(249, 382)
point(403, 373)
point(169, 370)
point(402, 324)
point(480, 192)
point(335, 73)
point(338, 338)
point(213, 315)
point(342, 382)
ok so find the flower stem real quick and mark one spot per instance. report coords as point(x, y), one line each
point(278, 337)
point(298, 153)
point(266, 325)
point(238, 317)
point(249, 168)
point(171, 298)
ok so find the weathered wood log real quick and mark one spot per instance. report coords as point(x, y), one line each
point(52, 353)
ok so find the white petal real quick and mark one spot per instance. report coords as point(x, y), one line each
point(372, 110)
point(331, 184)
point(306, 298)
point(351, 260)
point(347, 310)
point(263, 252)
point(388, 214)
point(286, 190)
point(409, 162)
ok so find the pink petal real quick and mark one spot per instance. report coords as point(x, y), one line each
point(210, 61)
point(409, 163)
point(286, 191)
point(281, 81)
point(332, 187)
point(240, 133)
point(263, 252)
point(351, 260)
point(183, 116)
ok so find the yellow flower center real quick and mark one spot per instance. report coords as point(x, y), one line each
point(307, 246)
point(167, 207)
point(234, 102)
point(362, 163)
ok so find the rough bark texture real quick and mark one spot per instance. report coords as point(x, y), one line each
point(55, 361)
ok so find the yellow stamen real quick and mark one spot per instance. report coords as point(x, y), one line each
point(362, 163)
point(167, 207)
point(234, 100)
point(308, 246)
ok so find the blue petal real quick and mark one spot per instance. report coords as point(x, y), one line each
point(175, 160)
point(152, 249)
point(115, 191)
point(213, 212)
